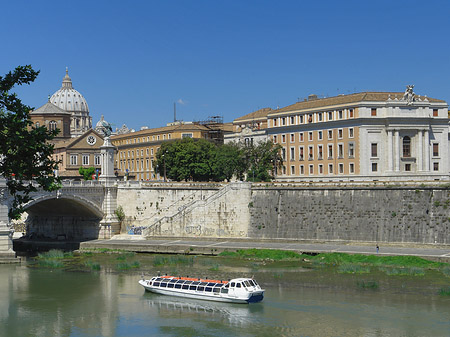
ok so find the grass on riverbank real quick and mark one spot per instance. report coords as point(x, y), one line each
point(263, 254)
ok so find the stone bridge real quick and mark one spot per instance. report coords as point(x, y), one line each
point(79, 210)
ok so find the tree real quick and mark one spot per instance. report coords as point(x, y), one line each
point(86, 172)
point(263, 159)
point(230, 160)
point(25, 154)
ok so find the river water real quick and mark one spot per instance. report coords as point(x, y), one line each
point(43, 302)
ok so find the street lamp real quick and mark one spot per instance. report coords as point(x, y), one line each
point(164, 166)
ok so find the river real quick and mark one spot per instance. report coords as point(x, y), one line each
point(44, 302)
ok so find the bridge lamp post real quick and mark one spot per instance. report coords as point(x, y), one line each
point(164, 166)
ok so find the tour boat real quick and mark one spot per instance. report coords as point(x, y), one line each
point(239, 290)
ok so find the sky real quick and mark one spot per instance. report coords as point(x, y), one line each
point(132, 60)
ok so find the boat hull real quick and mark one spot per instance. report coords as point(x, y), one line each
point(254, 297)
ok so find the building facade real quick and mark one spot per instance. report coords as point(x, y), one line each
point(364, 136)
point(249, 129)
point(136, 151)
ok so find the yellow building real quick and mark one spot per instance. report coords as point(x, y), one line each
point(136, 151)
point(363, 136)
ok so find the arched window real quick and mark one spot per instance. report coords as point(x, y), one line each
point(406, 146)
point(52, 125)
point(37, 124)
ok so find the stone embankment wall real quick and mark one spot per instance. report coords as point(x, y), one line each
point(237, 210)
point(419, 215)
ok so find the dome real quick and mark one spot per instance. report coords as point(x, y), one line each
point(69, 99)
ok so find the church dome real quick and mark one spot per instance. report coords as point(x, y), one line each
point(69, 99)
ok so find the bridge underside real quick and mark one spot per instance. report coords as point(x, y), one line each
point(62, 219)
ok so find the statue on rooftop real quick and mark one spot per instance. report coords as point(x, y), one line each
point(409, 96)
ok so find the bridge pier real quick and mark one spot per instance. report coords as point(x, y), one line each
point(110, 224)
point(6, 252)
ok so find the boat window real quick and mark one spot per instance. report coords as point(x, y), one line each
point(173, 281)
point(252, 283)
point(180, 281)
point(224, 290)
point(192, 287)
point(232, 284)
point(178, 286)
point(163, 284)
point(188, 282)
point(238, 285)
point(247, 284)
point(156, 284)
point(185, 286)
point(159, 279)
point(170, 285)
point(195, 282)
point(200, 288)
point(203, 283)
point(211, 284)
point(208, 289)
point(216, 290)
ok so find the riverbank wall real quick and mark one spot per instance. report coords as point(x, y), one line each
point(391, 214)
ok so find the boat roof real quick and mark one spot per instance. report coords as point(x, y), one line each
point(204, 279)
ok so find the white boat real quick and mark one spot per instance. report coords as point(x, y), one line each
point(239, 290)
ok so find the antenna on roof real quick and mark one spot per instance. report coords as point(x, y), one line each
point(174, 112)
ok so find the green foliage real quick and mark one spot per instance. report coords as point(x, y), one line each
point(86, 172)
point(172, 260)
point(26, 152)
point(367, 284)
point(200, 160)
point(446, 271)
point(119, 212)
point(52, 254)
point(272, 254)
point(444, 291)
point(406, 271)
point(350, 268)
point(92, 265)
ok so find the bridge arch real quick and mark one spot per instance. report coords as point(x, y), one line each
point(67, 217)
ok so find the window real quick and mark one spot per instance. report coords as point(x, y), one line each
point(283, 138)
point(146, 151)
point(301, 119)
point(151, 152)
point(283, 153)
point(274, 122)
point(330, 151)
point(292, 153)
point(320, 169)
point(320, 135)
point(310, 118)
point(37, 124)
point(284, 169)
point(406, 146)
point(292, 137)
point(408, 167)
point(301, 154)
point(300, 136)
point(97, 160)
point(435, 166)
point(435, 149)
point(330, 134)
point(352, 168)
point(374, 150)
point(320, 152)
point(374, 167)
point(350, 133)
point(292, 170)
point(185, 135)
point(340, 151)
point(435, 113)
point(302, 169)
point(340, 114)
point(330, 168)
point(275, 139)
point(283, 121)
point(73, 159)
point(340, 133)
point(330, 115)
point(311, 169)
point(341, 168)
point(310, 135)
point(320, 116)
point(351, 150)
point(373, 112)
point(292, 120)
point(310, 153)
point(52, 125)
point(350, 113)
point(142, 153)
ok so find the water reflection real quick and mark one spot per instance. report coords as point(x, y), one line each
point(234, 314)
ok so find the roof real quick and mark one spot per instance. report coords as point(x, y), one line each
point(170, 128)
point(71, 141)
point(261, 113)
point(50, 108)
point(349, 99)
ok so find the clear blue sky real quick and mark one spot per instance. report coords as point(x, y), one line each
point(133, 59)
